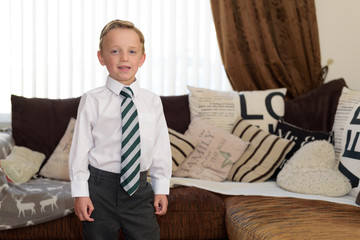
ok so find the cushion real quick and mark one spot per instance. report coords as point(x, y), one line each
point(347, 102)
point(176, 111)
point(57, 166)
point(313, 170)
point(320, 104)
point(261, 108)
point(349, 149)
point(6, 143)
point(40, 123)
point(263, 156)
point(21, 164)
point(181, 147)
point(215, 154)
point(300, 136)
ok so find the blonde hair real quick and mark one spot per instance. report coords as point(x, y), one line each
point(121, 24)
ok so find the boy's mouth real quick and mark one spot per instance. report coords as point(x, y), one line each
point(124, 67)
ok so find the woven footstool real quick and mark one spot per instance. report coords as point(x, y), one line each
point(259, 217)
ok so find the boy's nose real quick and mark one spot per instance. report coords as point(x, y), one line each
point(124, 57)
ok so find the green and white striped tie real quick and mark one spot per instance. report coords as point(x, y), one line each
point(130, 143)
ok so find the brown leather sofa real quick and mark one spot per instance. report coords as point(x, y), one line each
point(199, 214)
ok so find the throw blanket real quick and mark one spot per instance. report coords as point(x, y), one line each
point(268, 188)
point(37, 201)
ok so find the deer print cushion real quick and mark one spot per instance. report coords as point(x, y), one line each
point(21, 164)
point(37, 201)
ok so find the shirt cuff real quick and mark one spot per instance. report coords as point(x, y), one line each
point(80, 189)
point(160, 186)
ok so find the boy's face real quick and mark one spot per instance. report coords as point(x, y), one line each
point(122, 54)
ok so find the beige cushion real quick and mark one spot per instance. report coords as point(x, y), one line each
point(347, 101)
point(215, 154)
point(345, 141)
point(313, 170)
point(21, 164)
point(263, 156)
point(261, 108)
point(57, 167)
point(349, 156)
point(181, 147)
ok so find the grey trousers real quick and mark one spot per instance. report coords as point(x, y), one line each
point(114, 209)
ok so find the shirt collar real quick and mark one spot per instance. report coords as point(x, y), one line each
point(116, 86)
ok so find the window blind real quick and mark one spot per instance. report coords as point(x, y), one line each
point(50, 46)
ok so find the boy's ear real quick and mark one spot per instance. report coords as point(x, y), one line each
point(101, 60)
point(142, 60)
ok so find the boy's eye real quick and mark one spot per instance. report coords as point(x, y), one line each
point(132, 52)
point(114, 51)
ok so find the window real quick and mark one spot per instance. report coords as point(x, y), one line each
point(50, 46)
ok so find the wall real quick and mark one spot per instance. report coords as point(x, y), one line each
point(339, 33)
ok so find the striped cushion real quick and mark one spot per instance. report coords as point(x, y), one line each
point(181, 147)
point(263, 156)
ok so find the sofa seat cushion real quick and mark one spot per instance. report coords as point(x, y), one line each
point(193, 213)
point(68, 227)
point(260, 217)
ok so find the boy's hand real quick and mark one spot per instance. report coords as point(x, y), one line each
point(83, 208)
point(160, 204)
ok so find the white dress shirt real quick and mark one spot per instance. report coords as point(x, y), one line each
point(97, 137)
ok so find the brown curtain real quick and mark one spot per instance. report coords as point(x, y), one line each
point(269, 44)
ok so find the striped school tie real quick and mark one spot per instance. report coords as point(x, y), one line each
point(130, 143)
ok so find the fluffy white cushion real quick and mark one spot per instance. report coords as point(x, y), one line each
point(261, 108)
point(313, 170)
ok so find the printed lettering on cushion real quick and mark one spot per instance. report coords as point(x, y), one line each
point(22, 164)
point(350, 152)
point(220, 108)
point(215, 154)
point(347, 101)
point(299, 135)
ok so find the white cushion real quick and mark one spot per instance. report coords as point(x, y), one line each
point(261, 108)
point(313, 170)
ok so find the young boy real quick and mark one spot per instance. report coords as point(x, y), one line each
point(104, 200)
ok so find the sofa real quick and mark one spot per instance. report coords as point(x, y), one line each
point(196, 213)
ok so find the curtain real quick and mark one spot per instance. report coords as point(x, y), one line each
point(269, 44)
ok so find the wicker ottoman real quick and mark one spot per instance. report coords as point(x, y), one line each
point(258, 217)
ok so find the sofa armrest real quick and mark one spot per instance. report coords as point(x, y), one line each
point(6, 142)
